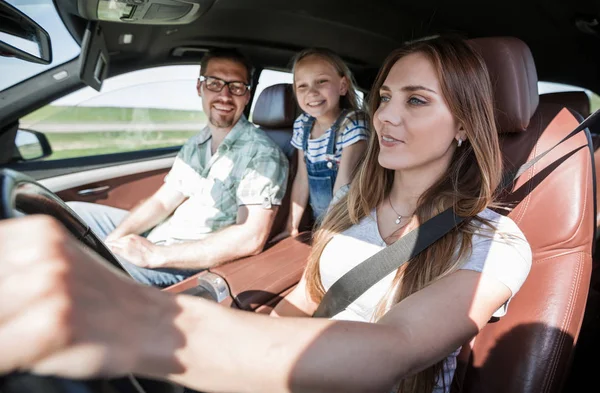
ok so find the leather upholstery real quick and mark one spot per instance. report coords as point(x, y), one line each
point(576, 100)
point(514, 79)
point(274, 113)
point(529, 349)
point(579, 101)
point(262, 279)
point(275, 107)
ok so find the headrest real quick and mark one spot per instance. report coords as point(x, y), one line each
point(275, 107)
point(514, 80)
point(576, 100)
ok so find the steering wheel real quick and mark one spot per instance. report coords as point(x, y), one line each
point(20, 194)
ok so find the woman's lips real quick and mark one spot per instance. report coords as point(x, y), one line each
point(388, 141)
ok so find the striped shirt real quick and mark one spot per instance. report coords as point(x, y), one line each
point(248, 168)
point(354, 128)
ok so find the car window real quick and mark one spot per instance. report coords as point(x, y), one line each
point(551, 87)
point(141, 110)
point(269, 78)
point(64, 47)
point(272, 77)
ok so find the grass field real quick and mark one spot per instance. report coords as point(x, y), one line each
point(79, 144)
point(79, 114)
point(88, 143)
point(595, 103)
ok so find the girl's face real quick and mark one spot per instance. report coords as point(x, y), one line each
point(414, 125)
point(318, 86)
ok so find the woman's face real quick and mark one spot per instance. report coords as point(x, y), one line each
point(413, 122)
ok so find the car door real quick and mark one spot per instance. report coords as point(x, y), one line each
point(114, 147)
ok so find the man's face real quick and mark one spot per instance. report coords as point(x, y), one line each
point(223, 108)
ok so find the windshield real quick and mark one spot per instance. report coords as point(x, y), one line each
point(64, 47)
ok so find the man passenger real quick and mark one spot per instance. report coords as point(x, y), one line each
point(220, 198)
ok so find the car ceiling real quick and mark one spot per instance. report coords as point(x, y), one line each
point(364, 32)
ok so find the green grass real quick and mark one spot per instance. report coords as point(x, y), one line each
point(80, 144)
point(595, 102)
point(78, 114)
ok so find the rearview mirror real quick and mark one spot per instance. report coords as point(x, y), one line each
point(32, 145)
point(21, 37)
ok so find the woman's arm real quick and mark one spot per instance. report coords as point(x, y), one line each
point(256, 353)
point(351, 155)
point(79, 319)
point(297, 303)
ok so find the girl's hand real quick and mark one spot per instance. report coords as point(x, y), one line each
point(286, 233)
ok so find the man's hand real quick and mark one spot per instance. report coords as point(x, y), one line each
point(65, 312)
point(112, 237)
point(137, 250)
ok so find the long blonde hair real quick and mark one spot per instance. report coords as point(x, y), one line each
point(348, 101)
point(468, 185)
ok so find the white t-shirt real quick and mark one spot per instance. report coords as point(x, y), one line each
point(505, 255)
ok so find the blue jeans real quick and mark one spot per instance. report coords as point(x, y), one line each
point(102, 220)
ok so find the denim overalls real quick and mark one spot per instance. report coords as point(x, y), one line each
point(321, 174)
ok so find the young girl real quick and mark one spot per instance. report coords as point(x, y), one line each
point(331, 134)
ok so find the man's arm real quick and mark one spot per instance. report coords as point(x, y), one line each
point(246, 237)
point(149, 213)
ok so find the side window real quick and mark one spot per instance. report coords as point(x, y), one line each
point(551, 87)
point(141, 110)
point(272, 77)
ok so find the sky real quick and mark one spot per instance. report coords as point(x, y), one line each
point(64, 48)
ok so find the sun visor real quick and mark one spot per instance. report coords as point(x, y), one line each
point(94, 58)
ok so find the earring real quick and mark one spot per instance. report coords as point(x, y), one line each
point(459, 144)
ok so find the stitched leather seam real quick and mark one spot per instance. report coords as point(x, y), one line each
point(551, 372)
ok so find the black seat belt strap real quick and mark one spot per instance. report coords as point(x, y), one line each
point(359, 279)
point(591, 119)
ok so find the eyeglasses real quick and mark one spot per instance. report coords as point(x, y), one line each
point(215, 84)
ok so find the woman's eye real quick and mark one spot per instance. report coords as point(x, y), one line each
point(384, 98)
point(416, 101)
point(322, 81)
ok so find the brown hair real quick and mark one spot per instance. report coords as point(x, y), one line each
point(350, 100)
point(468, 185)
point(227, 54)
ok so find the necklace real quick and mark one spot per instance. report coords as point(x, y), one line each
point(398, 214)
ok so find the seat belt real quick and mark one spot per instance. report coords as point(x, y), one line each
point(359, 279)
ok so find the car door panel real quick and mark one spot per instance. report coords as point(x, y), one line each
point(123, 192)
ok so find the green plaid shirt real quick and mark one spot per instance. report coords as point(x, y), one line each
point(248, 168)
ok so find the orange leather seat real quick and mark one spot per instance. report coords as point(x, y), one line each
point(530, 349)
point(580, 102)
point(274, 113)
